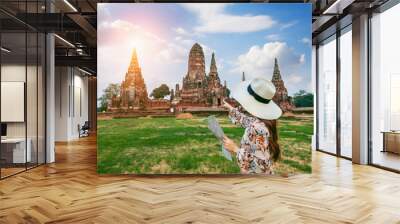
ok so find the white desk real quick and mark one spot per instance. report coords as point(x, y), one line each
point(19, 155)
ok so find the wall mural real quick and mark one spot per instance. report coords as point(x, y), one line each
point(204, 89)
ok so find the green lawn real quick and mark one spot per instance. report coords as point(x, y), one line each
point(169, 145)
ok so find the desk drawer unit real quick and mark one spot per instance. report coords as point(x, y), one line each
point(392, 142)
point(13, 151)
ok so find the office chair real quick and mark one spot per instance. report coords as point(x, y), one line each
point(84, 130)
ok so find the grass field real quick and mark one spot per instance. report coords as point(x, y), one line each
point(173, 146)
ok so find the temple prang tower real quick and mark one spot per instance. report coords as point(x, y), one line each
point(133, 88)
point(199, 89)
point(281, 95)
point(215, 90)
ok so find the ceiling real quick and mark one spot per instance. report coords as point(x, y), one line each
point(75, 22)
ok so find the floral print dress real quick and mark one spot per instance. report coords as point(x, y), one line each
point(253, 155)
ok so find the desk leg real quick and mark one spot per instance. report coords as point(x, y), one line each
point(384, 142)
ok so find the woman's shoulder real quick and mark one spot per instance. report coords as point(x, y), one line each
point(259, 127)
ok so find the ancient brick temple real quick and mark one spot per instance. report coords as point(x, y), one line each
point(198, 89)
point(281, 96)
point(133, 93)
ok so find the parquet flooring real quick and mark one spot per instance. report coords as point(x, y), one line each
point(11, 170)
point(70, 191)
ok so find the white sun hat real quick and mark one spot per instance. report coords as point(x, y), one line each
point(255, 96)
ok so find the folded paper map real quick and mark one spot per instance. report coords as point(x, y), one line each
point(216, 129)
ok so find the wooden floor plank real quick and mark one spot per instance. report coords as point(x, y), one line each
point(70, 191)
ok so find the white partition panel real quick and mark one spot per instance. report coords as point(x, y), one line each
point(12, 101)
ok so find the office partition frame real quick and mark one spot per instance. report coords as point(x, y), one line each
point(337, 31)
point(29, 29)
point(382, 8)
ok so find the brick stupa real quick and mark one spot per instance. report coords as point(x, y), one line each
point(133, 88)
point(281, 95)
point(199, 89)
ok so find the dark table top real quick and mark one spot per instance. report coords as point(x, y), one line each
point(391, 132)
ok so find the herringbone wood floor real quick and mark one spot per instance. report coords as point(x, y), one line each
point(70, 191)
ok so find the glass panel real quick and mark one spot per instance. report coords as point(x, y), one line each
point(13, 87)
point(32, 89)
point(346, 93)
point(31, 98)
point(327, 96)
point(41, 99)
point(23, 87)
point(385, 84)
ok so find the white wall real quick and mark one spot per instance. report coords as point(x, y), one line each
point(80, 110)
point(62, 82)
point(71, 102)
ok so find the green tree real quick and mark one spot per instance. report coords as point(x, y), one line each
point(303, 99)
point(228, 92)
point(102, 106)
point(160, 92)
point(112, 89)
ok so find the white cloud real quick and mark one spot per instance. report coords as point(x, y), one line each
point(103, 12)
point(116, 41)
point(127, 35)
point(294, 79)
point(181, 31)
point(288, 25)
point(273, 37)
point(305, 40)
point(172, 53)
point(258, 61)
point(220, 64)
point(213, 18)
point(156, 55)
point(207, 50)
point(125, 31)
point(302, 58)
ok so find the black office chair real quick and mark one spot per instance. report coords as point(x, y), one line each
point(84, 130)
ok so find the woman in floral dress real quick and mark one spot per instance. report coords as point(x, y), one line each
point(259, 147)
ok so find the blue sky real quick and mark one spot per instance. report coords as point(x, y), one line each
point(244, 37)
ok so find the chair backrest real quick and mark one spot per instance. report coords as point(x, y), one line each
point(86, 124)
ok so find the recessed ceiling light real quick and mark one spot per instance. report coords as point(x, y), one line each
point(84, 71)
point(64, 40)
point(70, 5)
point(337, 7)
point(5, 50)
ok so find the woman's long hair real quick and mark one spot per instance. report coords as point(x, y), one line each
point(274, 149)
point(273, 146)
